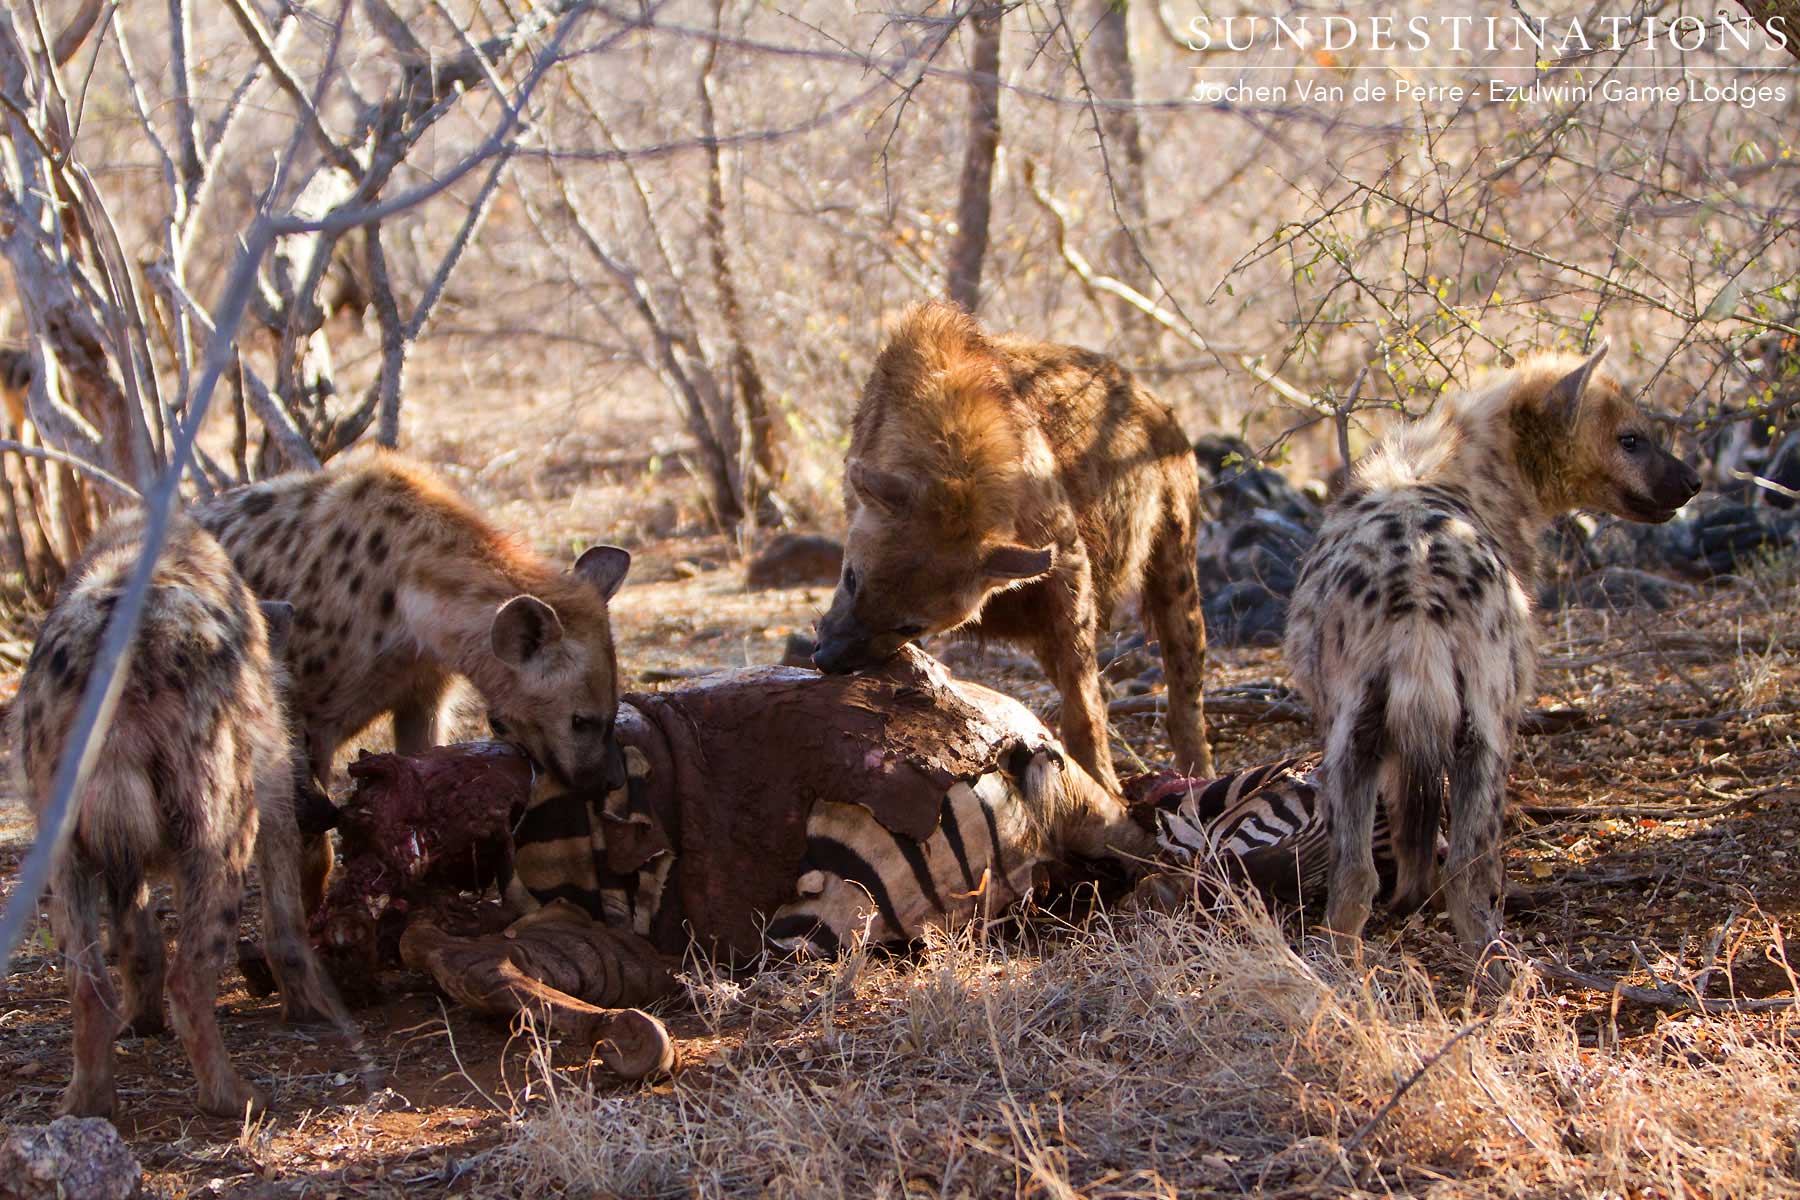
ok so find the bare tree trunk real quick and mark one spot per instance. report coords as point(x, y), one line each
point(1780, 17)
point(764, 467)
point(975, 204)
point(1106, 65)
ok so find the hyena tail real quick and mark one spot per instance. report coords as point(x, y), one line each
point(1422, 722)
point(1416, 808)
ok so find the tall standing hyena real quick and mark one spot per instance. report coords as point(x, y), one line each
point(397, 584)
point(1019, 490)
point(1411, 634)
point(196, 769)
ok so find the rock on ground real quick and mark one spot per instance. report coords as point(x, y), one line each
point(72, 1158)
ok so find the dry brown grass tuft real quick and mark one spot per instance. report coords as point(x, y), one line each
point(1155, 1055)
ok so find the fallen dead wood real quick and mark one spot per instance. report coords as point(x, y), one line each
point(1263, 703)
point(1660, 997)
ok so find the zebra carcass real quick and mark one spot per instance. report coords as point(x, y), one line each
point(768, 808)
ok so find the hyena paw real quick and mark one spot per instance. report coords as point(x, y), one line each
point(145, 1024)
point(233, 1099)
point(83, 1100)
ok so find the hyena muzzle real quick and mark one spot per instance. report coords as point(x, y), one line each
point(195, 775)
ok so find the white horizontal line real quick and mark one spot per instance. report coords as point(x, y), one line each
point(1490, 70)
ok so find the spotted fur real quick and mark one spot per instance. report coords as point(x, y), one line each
point(194, 775)
point(397, 585)
point(1019, 490)
point(1411, 635)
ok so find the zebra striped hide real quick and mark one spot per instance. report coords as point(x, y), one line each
point(1264, 825)
point(820, 806)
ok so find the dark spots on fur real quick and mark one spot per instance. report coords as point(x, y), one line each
point(1356, 582)
point(336, 541)
point(378, 547)
point(1439, 612)
point(387, 600)
point(257, 502)
point(1393, 529)
point(351, 538)
point(304, 622)
point(59, 666)
point(361, 489)
point(355, 583)
point(1434, 521)
point(313, 666)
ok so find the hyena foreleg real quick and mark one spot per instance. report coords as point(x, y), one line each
point(1070, 657)
point(1352, 772)
point(307, 996)
point(418, 718)
point(1172, 602)
point(94, 1006)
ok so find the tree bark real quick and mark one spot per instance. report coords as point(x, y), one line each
point(1780, 17)
point(1106, 63)
point(762, 453)
point(974, 207)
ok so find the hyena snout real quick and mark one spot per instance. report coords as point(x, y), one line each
point(843, 647)
point(847, 645)
point(1672, 483)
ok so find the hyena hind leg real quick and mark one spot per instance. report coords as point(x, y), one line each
point(94, 1006)
point(1172, 602)
point(1475, 877)
point(1352, 773)
point(141, 958)
point(208, 893)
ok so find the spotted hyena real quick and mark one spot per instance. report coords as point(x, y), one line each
point(1411, 633)
point(195, 772)
point(1019, 490)
point(397, 585)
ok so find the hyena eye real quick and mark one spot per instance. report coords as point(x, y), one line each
point(850, 580)
point(1629, 442)
point(583, 723)
point(909, 631)
point(498, 726)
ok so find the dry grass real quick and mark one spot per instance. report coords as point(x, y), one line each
point(1157, 1055)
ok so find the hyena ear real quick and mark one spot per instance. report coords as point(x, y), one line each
point(1565, 395)
point(522, 629)
point(1018, 563)
point(278, 617)
point(604, 567)
point(884, 489)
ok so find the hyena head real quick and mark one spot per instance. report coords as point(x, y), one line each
point(1584, 443)
point(563, 694)
point(939, 472)
point(913, 567)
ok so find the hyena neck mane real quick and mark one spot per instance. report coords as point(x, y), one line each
point(1499, 451)
point(942, 411)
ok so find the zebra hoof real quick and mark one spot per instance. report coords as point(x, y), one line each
point(632, 1044)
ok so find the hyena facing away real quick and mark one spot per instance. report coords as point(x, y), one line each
point(397, 584)
point(196, 771)
point(1411, 633)
point(1019, 490)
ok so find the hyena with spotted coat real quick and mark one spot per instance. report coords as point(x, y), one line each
point(1411, 632)
point(195, 773)
point(1020, 490)
point(397, 585)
